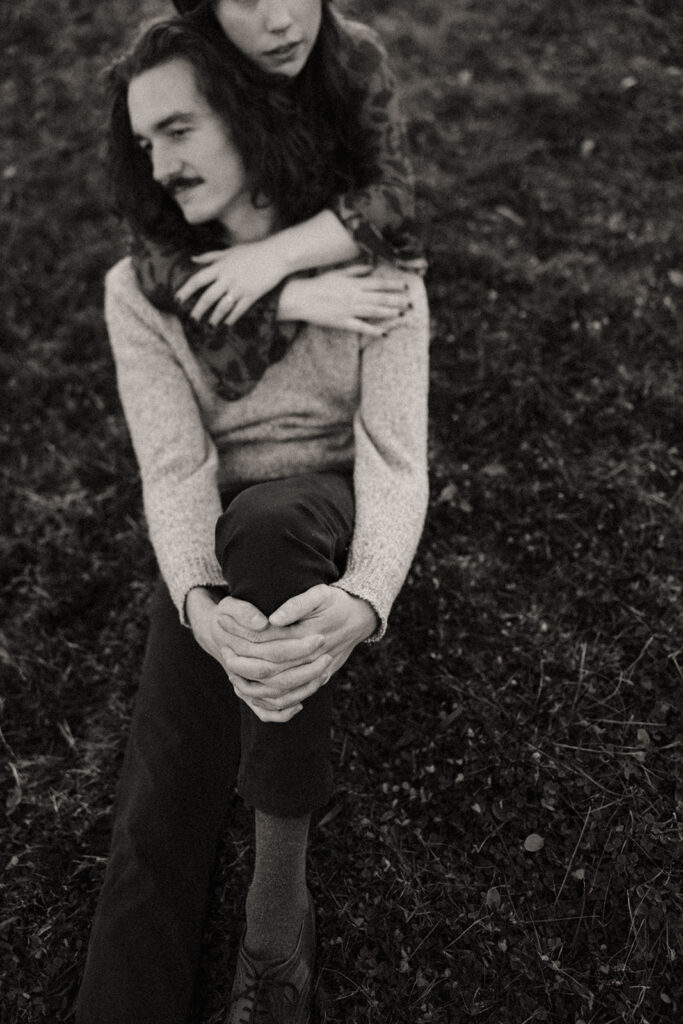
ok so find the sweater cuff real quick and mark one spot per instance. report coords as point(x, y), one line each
point(197, 572)
point(357, 587)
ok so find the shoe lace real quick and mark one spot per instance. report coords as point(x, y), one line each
point(257, 1006)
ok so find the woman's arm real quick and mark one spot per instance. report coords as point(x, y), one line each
point(376, 221)
point(380, 217)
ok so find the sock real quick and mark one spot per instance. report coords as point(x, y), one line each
point(277, 900)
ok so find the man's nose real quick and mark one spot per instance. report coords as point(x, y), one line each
point(164, 163)
point(278, 16)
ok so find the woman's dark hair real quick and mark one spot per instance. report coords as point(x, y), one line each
point(300, 140)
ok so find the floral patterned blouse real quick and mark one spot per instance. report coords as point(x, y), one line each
point(380, 217)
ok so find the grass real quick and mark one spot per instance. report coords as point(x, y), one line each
point(505, 843)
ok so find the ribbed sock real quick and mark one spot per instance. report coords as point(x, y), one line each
point(277, 900)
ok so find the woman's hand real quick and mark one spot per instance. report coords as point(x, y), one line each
point(233, 280)
point(347, 300)
point(276, 664)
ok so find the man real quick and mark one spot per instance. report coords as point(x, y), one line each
point(312, 560)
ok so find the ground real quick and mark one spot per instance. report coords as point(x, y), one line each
point(505, 842)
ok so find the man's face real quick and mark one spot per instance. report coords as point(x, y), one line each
point(192, 154)
point(277, 35)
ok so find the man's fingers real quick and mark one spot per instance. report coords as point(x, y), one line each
point(244, 613)
point(298, 607)
point(267, 715)
point(279, 703)
point(262, 678)
point(289, 700)
point(291, 651)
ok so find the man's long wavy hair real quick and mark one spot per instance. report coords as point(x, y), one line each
point(300, 140)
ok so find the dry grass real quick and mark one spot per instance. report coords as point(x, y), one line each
point(530, 686)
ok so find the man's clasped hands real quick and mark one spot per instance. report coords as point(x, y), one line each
point(274, 663)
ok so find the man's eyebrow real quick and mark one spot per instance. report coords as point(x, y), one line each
point(165, 122)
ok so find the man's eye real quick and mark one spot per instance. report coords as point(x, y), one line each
point(178, 133)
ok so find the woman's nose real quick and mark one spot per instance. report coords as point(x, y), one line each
point(278, 16)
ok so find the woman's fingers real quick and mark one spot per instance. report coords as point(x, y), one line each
point(388, 284)
point(238, 310)
point(209, 257)
point(209, 297)
point(201, 279)
point(394, 300)
point(221, 309)
point(357, 270)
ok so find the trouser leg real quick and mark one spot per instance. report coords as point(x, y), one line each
point(177, 781)
point(273, 541)
point(182, 756)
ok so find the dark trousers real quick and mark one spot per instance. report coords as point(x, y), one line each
point(190, 740)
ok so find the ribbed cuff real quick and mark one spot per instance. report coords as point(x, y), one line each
point(361, 588)
point(197, 572)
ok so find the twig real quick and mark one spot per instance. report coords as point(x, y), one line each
point(571, 859)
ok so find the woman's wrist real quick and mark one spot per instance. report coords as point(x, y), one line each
point(289, 305)
point(320, 241)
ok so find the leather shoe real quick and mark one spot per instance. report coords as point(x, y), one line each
point(276, 991)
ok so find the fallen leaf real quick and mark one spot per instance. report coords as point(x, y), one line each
point(493, 899)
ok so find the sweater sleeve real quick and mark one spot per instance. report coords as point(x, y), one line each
point(177, 458)
point(381, 215)
point(390, 469)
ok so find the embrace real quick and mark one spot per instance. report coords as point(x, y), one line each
point(270, 336)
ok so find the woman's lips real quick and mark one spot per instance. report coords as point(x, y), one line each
point(283, 53)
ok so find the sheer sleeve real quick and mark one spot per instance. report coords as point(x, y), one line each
point(237, 356)
point(380, 216)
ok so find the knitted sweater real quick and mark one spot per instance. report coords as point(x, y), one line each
point(336, 400)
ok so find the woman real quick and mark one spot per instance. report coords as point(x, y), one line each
point(327, 138)
point(303, 500)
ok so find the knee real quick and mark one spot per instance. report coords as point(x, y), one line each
point(264, 518)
